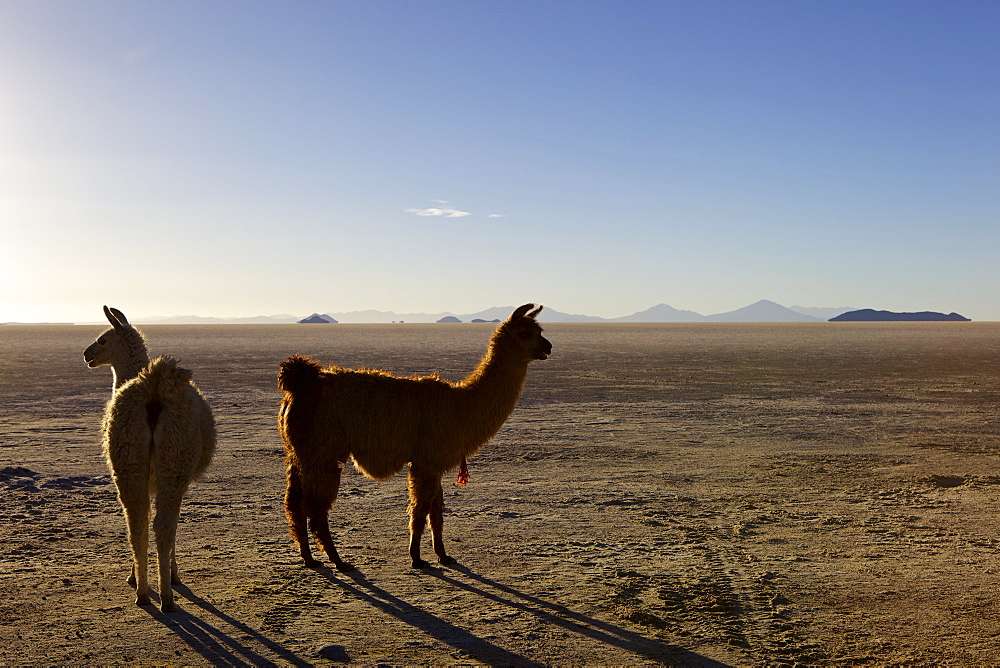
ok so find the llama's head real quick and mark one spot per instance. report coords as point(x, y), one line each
point(102, 351)
point(523, 330)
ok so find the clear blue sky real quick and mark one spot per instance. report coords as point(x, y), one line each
point(243, 158)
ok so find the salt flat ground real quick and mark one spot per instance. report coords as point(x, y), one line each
point(697, 495)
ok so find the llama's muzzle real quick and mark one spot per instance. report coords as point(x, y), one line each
point(544, 349)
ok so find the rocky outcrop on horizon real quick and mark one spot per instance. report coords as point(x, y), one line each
point(871, 315)
point(317, 319)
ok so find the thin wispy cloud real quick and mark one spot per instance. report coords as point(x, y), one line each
point(447, 212)
point(446, 209)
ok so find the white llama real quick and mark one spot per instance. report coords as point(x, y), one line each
point(159, 436)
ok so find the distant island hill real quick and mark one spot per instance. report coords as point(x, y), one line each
point(871, 315)
point(762, 311)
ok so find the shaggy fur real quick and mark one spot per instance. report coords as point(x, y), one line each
point(384, 423)
point(159, 435)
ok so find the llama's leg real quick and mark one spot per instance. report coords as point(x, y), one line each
point(168, 510)
point(135, 503)
point(317, 499)
point(306, 507)
point(437, 526)
point(423, 489)
point(296, 514)
point(175, 578)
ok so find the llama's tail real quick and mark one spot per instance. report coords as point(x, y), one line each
point(165, 379)
point(164, 383)
point(298, 374)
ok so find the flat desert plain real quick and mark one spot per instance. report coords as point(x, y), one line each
point(693, 495)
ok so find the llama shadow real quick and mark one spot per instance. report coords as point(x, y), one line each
point(216, 646)
point(546, 612)
point(479, 649)
point(561, 616)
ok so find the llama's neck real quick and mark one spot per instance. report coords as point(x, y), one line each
point(491, 392)
point(129, 358)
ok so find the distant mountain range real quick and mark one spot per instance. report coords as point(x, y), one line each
point(761, 311)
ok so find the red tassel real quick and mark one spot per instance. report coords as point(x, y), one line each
point(463, 473)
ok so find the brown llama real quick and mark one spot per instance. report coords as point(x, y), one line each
point(383, 423)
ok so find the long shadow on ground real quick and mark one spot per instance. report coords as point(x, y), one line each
point(546, 612)
point(459, 638)
point(219, 647)
point(560, 615)
point(216, 646)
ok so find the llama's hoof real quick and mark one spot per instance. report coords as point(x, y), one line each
point(344, 567)
point(168, 607)
point(447, 561)
point(312, 563)
point(175, 580)
point(143, 599)
point(420, 563)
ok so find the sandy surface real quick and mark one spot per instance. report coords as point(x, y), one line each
point(696, 495)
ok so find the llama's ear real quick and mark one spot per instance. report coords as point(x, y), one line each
point(116, 318)
point(111, 318)
point(520, 311)
point(534, 314)
point(121, 318)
